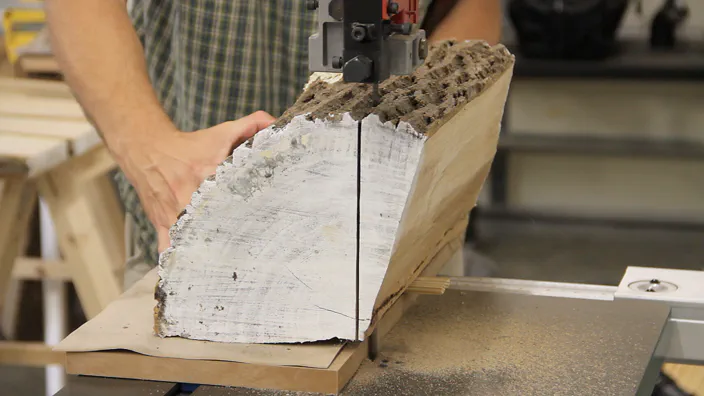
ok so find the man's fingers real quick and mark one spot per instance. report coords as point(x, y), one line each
point(166, 201)
point(206, 172)
point(257, 120)
point(185, 192)
point(246, 127)
point(163, 241)
point(162, 232)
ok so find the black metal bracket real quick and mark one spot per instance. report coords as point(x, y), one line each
point(364, 36)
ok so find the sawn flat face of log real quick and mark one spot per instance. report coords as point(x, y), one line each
point(265, 252)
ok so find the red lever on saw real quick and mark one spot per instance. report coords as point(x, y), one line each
point(407, 11)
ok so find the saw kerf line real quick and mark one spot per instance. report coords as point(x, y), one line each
point(359, 190)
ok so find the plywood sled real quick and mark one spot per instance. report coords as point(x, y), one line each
point(265, 252)
point(120, 343)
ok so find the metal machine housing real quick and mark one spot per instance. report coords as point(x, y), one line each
point(397, 54)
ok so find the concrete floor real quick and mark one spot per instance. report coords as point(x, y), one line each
point(579, 254)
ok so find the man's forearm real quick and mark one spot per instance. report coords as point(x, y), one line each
point(471, 20)
point(103, 62)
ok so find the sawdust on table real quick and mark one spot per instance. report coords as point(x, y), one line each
point(488, 346)
point(503, 345)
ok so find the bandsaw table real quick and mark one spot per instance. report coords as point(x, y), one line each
point(488, 336)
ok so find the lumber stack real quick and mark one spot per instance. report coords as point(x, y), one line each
point(429, 285)
point(265, 252)
point(49, 150)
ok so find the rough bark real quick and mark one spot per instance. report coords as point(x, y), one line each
point(453, 74)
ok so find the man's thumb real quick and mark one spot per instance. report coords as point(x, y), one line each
point(246, 127)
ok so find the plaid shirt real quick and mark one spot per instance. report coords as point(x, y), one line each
point(211, 61)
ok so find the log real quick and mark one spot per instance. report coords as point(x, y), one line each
point(265, 251)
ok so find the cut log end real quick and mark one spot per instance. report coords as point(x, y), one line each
point(453, 74)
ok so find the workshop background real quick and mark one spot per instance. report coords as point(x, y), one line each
point(600, 166)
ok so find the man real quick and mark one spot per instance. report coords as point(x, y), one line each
point(165, 67)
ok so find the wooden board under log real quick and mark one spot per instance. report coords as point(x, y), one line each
point(91, 353)
point(265, 252)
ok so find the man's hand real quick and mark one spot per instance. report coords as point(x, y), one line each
point(107, 72)
point(166, 167)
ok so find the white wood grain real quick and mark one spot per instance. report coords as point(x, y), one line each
point(265, 253)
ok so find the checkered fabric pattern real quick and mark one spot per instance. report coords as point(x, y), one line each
point(211, 61)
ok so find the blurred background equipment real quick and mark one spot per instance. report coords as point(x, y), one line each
point(27, 41)
point(665, 23)
point(21, 27)
point(600, 157)
point(567, 29)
